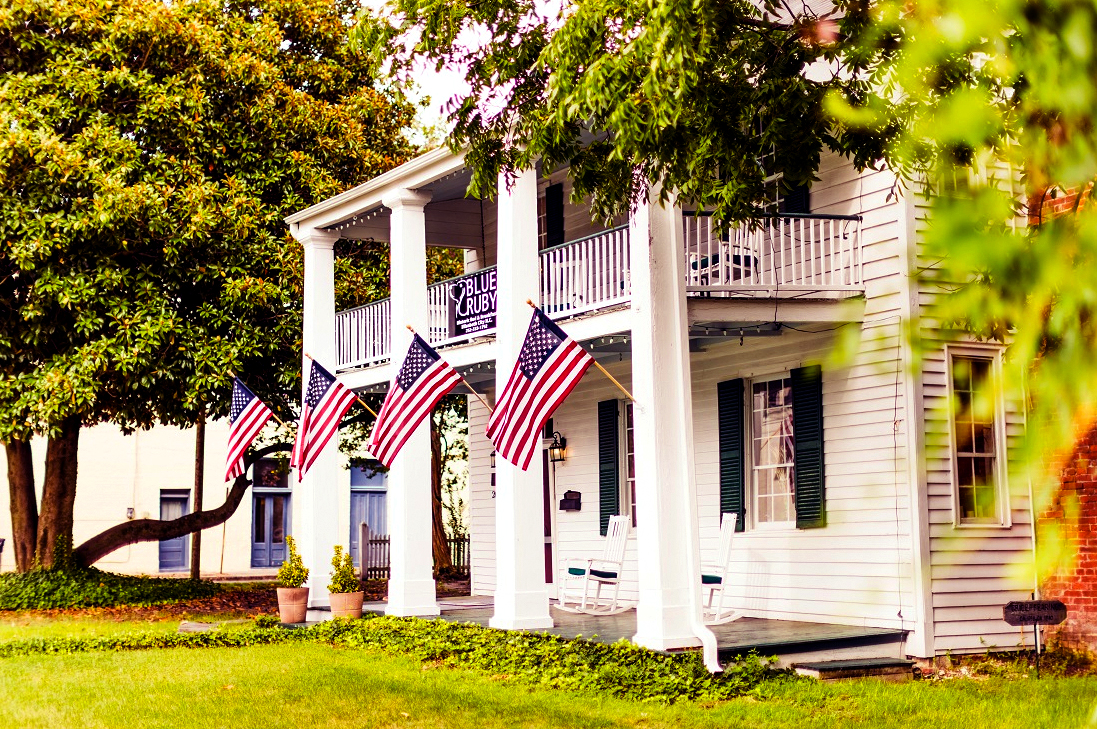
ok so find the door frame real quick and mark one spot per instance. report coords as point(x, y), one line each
point(183, 495)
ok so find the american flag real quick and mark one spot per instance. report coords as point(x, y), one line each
point(326, 399)
point(549, 367)
point(423, 380)
point(247, 416)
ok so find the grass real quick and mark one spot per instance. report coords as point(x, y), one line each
point(21, 626)
point(316, 685)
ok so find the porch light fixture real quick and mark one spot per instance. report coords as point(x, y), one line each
point(557, 448)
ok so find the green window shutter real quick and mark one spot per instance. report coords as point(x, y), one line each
point(807, 421)
point(609, 463)
point(729, 403)
point(554, 215)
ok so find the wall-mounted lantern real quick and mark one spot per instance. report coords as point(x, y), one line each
point(557, 448)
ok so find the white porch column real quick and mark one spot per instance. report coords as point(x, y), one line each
point(521, 598)
point(315, 501)
point(411, 579)
point(668, 614)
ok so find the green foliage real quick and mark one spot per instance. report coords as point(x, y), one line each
point(343, 577)
point(149, 153)
point(989, 108)
point(292, 572)
point(691, 94)
point(47, 589)
point(267, 621)
point(621, 669)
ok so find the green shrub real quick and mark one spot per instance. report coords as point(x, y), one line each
point(267, 621)
point(620, 669)
point(293, 572)
point(343, 577)
point(45, 589)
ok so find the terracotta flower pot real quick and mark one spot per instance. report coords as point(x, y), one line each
point(346, 604)
point(293, 604)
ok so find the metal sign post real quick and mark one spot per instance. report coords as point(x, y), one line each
point(1035, 613)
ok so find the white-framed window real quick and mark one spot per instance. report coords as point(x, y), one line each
point(772, 452)
point(628, 463)
point(977, 437)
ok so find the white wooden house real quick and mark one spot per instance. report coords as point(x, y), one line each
point(862, 499)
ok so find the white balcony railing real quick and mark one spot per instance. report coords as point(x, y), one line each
point(586, 274)
point(790, 254)
point(362, 334)
point(783, 253)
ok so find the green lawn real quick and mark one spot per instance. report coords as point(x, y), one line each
point(301, 685)
point(21, 626)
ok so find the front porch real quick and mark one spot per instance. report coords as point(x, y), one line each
point(790, 640)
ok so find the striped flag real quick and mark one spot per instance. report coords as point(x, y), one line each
point(423, 380)
point(247, 416)
point(326, 399)
point(549, 367)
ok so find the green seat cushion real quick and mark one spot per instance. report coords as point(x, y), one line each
point(604, 574)
point(711, 579)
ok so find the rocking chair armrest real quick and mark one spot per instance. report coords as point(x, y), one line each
point(604, 562)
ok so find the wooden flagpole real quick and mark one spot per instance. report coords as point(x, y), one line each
point(271, 412)
point(600, 367)
point(356, 397)
point(469, 386)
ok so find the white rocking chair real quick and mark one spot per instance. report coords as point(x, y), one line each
point(714, 577)
point(579, 574)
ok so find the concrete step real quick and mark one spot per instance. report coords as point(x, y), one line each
point(887, 669)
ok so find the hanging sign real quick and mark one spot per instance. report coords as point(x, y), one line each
point(1034, 612)
point(472, 303)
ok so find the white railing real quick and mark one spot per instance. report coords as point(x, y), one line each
point(586, 274)
point(362, 334)
point(781, 253)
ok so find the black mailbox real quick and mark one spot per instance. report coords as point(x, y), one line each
point(572, 501)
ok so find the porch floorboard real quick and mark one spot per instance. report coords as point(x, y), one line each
point(767, 637)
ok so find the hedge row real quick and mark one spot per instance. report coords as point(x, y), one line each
point(619, 669)
point(47, 589)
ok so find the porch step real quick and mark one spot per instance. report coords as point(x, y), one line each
point(887, 669)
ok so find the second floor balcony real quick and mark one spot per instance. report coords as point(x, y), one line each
point(780, 256)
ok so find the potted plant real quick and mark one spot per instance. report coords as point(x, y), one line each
point(345, 589)
point(293, 599)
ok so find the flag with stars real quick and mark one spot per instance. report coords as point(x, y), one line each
point(422, 381)
point(326, 400)
point(550, 365)
point(247, 416)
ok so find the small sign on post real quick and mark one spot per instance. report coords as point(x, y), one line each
point(1035, 613)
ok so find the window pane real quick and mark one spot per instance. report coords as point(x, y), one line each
point(260, 520)
point(278, 520)
point(975, 444)
point(773, 453)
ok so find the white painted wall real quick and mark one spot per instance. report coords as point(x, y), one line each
point(116, 471)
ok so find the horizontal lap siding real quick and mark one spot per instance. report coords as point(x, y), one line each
point(481, 503)
point(974, 571)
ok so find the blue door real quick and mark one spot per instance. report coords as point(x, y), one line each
point(367, 503)
point(270, 514)
point(270, 524)
point(174, 553)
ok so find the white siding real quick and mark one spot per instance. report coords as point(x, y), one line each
point(481, 503)
point(974, 571)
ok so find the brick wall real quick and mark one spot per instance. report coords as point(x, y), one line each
point(1074, 512)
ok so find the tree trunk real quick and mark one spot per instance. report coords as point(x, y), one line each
point(58, 494)
point(24, 503)
point(199, 478)
point(440, 544)
point(154, 530)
